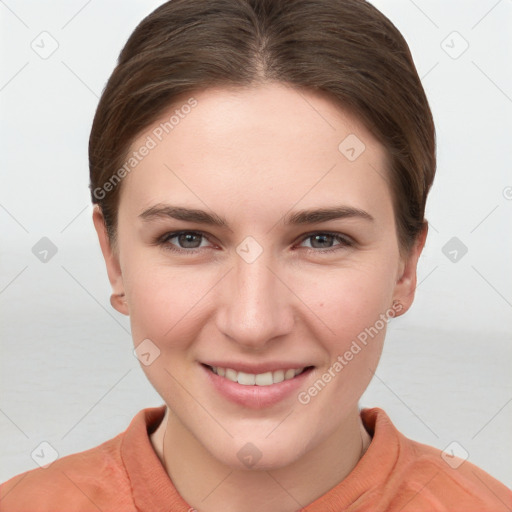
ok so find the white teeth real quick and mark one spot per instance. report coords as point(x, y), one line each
point(231, 374)
point(260, 379)
point(247, 379)
point(289, 374)
point(278, 376)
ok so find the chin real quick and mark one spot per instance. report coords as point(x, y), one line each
point(254, 452)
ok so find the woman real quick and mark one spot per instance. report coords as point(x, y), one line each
point(259, 170)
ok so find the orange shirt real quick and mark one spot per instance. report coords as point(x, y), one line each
point(125, 474)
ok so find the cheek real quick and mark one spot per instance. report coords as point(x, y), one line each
point(349, 299)
point(354, 305)
point(164, 299)
point(350, 303)
point(165, 306)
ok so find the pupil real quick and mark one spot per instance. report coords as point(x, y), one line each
point(187, 240)
point(326, 239)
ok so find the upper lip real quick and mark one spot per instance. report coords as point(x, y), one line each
point(256, 368)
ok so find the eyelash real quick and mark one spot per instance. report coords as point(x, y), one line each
point(344, 240)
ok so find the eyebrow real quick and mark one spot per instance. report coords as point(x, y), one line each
point(301, 217)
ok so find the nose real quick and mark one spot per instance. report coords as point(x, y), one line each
point(256, 306)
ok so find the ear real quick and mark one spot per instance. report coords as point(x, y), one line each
point(407, 276)
point(115, 276)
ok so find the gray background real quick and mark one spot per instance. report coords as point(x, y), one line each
point(68, 374)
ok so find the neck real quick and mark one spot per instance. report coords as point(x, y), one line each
point(210, 486)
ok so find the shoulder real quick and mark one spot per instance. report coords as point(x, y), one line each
point(90, 480)
point(426, 478)
point(436, 476)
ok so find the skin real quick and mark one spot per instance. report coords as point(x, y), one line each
point(253, 156)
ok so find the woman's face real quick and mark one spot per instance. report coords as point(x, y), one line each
point(255, 283)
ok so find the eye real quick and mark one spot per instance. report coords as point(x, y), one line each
point(190, 242)
point(184, 241)
point(323, 242)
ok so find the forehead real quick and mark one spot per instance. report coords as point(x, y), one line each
point(263, 147)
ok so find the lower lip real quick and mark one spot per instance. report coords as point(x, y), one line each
point(256, 397)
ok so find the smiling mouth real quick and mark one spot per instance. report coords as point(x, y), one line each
point(258, 379)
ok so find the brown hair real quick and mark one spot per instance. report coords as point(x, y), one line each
point(345, 49)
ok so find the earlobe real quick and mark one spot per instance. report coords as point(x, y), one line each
point(117, 299)
point(118, 302)
point(407, 280)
